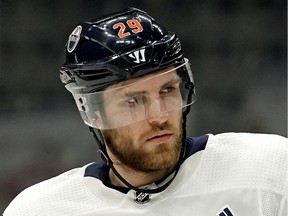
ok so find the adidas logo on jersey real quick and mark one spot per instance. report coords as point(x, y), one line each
point(225, 212)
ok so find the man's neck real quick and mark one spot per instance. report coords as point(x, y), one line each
point(136, 178)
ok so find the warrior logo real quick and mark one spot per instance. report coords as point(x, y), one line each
point(136, 55)
point(141, 197)
point(74, 39)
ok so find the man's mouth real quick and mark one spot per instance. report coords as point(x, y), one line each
point(161, 137)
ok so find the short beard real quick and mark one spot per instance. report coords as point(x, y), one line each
point(165, 156)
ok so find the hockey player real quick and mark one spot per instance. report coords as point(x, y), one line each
point(133, 88)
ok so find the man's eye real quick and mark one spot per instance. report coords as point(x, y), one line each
point(133, 100)
point(167, 89)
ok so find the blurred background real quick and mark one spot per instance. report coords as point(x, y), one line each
point(237, 49)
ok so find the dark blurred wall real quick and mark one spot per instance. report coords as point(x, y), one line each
point(238, 52)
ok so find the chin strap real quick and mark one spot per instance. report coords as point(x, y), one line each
point(101, 145)
point(151, 191)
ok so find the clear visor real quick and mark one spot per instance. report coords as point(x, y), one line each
point(138, 99)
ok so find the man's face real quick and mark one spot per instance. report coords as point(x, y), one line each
point(153, 141)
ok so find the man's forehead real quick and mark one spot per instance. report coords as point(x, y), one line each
point(162, 75)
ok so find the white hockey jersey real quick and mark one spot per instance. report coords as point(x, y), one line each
point(231, 174)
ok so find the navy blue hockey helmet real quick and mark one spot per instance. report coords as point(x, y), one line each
point(115, 48)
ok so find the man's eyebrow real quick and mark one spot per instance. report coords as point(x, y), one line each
point(135, 93)
point(131, 92)
point(174, 80)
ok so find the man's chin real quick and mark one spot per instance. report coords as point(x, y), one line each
point(163, 156)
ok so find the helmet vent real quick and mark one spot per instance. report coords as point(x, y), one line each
point(94, 74)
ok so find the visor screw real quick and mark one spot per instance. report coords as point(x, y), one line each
point(189, 86)
point(83, 108)
point(80, 100)
point(155, 62)
point(128, 72)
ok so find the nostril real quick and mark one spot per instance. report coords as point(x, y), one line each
point(160, 119)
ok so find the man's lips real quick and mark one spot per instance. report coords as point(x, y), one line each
point(160, 137)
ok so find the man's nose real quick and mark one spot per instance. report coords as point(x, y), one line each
point(157, 112)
